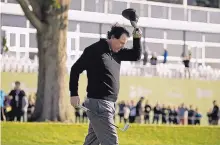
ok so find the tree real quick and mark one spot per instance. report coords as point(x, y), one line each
point(50, 18)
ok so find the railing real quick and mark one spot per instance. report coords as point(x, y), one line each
point(11, 64)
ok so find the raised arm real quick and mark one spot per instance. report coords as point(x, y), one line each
point(133, 54)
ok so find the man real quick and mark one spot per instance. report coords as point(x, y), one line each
point(181, 112)
point(102, 62)
point(147, 109)
point(157, 112)
point(186, 61)
point(164, 114)
point(132, 114)
point(191, 115)
point(121, 106)
point(145, 53)
point(17, 102)
point(215, 113)
point(165, 55)
point(175, 115)
point(140, 111)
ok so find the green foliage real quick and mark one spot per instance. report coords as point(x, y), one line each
point(70, 134)
point(56, 4)
point(4, 45)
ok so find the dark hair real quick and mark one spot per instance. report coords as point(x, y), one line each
point(117, 31)
point(17, 83)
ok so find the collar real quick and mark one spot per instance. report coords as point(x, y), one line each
point(107, 44)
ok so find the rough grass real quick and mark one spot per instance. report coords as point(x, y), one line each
point(74, 134)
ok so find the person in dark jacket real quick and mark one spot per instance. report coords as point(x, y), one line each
point(170, 114)
point(140, 111)
point(102, 61)
point(121, 106)
point(215, 113)
point(164, 114)
point(191, 115)
point(147, 109)
point(157, 112)
point(175, 116)
point(16, 103)
point(209, 115)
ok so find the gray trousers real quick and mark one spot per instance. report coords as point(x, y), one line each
point(100, 131)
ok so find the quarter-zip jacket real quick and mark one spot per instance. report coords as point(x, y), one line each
point(103, 69)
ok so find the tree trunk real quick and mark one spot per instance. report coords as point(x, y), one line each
point(53, 102)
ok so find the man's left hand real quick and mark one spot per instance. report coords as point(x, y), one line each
point(137, 33)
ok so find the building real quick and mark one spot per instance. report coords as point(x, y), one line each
point(164, 25)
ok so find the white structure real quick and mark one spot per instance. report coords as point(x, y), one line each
point(164, 25)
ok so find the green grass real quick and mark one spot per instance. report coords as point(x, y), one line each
point(72, 134)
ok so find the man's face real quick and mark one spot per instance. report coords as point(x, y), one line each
point(117, 44)
point(17, 86)
point(214, 103)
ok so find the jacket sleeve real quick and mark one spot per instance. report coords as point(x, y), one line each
point(78, 67)
point(133, 54)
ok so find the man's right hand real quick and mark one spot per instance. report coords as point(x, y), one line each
point(75, 101)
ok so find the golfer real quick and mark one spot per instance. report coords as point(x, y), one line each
point(102, 62)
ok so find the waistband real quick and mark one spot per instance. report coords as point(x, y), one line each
point(111, 98)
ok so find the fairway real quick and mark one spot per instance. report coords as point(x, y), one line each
point(70, 134)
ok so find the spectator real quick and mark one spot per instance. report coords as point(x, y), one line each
point(175, 115)
point(191, 115)
point(7, 107)
point(121, 106)
point(198, 117)
point(145, 53)
point(157, 112)
point(132, 112)
point(165, 55)
point(215, 113)
point(164, 114)
point(181, 113)
point(25, 108)
point(140, 111)
point(186, 61)
point(31, 107)
point(126, 112)
point(77, 115)
point(2, 95)
point(84, 116)
point(209, 115)
point(147, 109)
point(153, 59)
point(170, 114)
point(16, 103)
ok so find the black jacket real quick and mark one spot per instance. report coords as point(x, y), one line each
point(215, 113)
point(16, 103)
point(103, 69)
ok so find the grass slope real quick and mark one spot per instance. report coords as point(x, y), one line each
point(73, 134)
